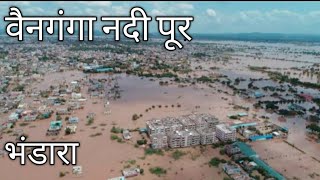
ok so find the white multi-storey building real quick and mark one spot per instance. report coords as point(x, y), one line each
point(159, 141)
point(208, 136)
point(184, 131)
point(184, 138)
point(203, 120)
point(187, 123)
point(225, 133)
point(155, 126)
point(171, 124)
point(174, 140)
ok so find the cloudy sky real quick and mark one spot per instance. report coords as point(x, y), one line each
point(210, 17)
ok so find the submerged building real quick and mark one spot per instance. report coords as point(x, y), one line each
point(208, 136)
point(159, 140)
point(184, 131)
point(184, 138)
point(225, 133)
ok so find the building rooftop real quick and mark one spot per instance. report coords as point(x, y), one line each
point(55, 125)
point(187, 132)
point(225, 128)
point(206, 130)
point(118, 178)
point(130, 172)
point(185, 120)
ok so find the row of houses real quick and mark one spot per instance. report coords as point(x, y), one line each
point(246, 157)
point(188, 130)
point(236, 172)
point(56, 126)
point(265, 130)
point(45, 104)
point(42, 108)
